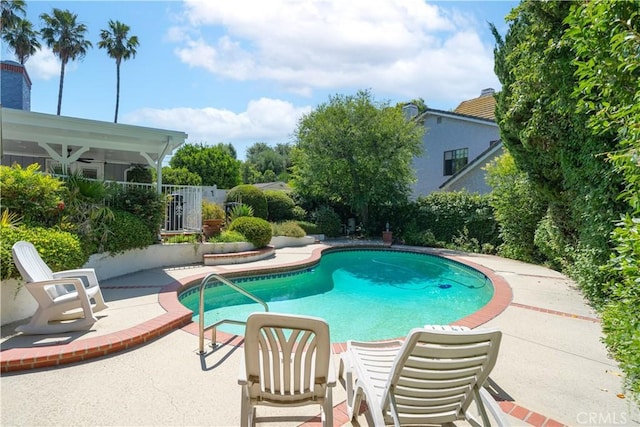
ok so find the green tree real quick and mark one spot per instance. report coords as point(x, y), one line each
point(9, 13)
point(22, 38)
point(355, 151)
point(270, 162)
point(214, 165)
point(606, 39)
point(66, 37)
point(120, 47)
point(180, 176)
point(550, 141)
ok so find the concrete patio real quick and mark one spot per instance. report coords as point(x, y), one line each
point(552, 369)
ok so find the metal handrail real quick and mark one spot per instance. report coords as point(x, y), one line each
point(233, 286)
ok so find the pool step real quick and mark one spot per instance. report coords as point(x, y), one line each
point(239, 257)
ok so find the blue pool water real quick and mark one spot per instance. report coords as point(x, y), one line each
point(363, 294)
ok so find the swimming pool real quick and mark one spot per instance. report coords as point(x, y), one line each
point(364, 294)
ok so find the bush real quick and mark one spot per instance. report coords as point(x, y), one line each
point(128, 232)
point(327, 220)
point(252, 196)
point(36, 197)
point(256, 230)
point(59, 249)
point(447, 215)
point(288, 228)
point(281, 206)
point(144, 203)
point(228, 236)
point(211, 210)
point(308, 227)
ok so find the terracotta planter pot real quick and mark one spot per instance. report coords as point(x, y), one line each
point(387, 237)
point(211, 227)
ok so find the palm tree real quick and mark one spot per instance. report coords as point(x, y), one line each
point(118, 47)
point(22, 39)
point(66, 38)
point(9, 11)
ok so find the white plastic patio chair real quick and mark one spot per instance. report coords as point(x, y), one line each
point(287, 362)
point(430, 378)
point(64, 299)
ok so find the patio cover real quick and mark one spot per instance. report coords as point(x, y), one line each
point(67, 139)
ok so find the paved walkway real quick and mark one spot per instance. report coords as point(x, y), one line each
point(136, 368)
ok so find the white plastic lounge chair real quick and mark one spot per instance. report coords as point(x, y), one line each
point(431, 378)
point(61, 296)
point(287, 362)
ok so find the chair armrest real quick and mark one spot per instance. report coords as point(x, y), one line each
point(88, 273)
point(71, 281)
point(242, 374)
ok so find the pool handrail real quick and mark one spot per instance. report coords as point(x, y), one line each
point(213, 327)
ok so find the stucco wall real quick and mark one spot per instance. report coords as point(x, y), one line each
point(450, 134)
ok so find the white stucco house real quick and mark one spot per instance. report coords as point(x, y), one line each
point(457, 146)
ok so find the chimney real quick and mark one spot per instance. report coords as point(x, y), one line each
point(487, 92)
point(15, 90)
point(410, 111)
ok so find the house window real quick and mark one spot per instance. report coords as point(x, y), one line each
point(455, 160)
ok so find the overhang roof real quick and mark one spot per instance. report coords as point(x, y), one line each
point(66, 139)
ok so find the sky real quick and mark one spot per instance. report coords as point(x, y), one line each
point(246, 71)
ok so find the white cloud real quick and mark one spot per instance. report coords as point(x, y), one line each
point(404, 47)
point(265, 120)
point(44, 65)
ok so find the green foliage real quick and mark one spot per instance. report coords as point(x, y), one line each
point(240, 210)
point(59, 249)
point(180, 176)
point(327, 221)
point(265, 163)
point(140, 173)
point(38, 198)
point(448, 214)
point(182, 238)
point(516, 209)
point(356, 152)
point(228, 236)
point(128, 232)
point(287, 228)
point(249, 195)
point(256, 230)
point(144, 203)
point(211, 210)
point(308, 227)
point(280, 206)
point(215, 165)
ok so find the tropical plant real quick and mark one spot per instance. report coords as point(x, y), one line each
point(256, 230)
point(120, 47)
point(66, 37)
point(10, 219)
point(240, 210)
point(22, 39)
point(9, 13)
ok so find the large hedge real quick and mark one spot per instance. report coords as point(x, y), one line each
point(128, 231)
point(250, 195)
point(281, 206)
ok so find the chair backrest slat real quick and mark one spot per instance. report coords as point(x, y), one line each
point(29, 263)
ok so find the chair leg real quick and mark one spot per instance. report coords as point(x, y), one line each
point(327, 410)
point(244, 408)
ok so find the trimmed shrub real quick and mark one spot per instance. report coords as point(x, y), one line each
point(327, 220)
point(281, 206)
point(288, 229)
point(227, 236)
point(144, 203)
point(212, 210)
point(256, 230)
point(128, 231)
point(252, 196)
point(59, 249)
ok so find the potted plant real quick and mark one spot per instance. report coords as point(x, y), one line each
point(212, 218)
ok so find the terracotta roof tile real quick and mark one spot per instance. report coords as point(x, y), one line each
point(484, 106)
